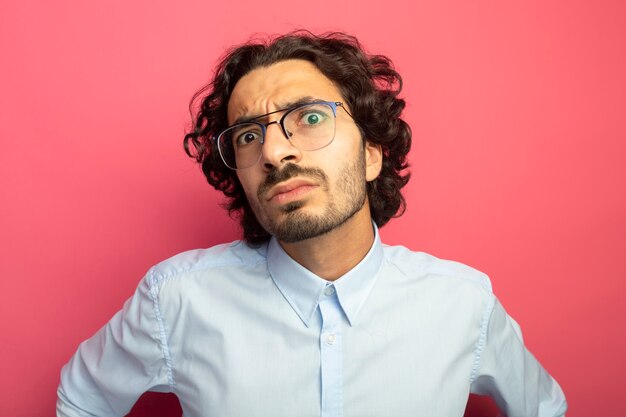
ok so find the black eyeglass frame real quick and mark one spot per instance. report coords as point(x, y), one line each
point(281, 122)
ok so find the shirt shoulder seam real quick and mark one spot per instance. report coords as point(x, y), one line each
point(164, 271)
point(452, 269)
point(153, 284)
point(159, 277)
point(482, 338)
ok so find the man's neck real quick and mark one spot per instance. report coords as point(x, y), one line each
point(335, 253)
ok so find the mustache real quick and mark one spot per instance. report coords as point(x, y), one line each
point(290, 170)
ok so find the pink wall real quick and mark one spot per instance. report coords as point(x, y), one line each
point(518, 112)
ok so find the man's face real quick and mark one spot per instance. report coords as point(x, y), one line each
point(295, 194)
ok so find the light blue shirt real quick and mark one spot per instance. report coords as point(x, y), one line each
point(236, 331)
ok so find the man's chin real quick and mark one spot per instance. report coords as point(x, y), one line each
point(299, 226)
point(291, 207)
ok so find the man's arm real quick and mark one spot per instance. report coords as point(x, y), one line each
point(126, 358)
point(510, 374)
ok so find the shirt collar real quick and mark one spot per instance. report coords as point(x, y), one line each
point(303, 289)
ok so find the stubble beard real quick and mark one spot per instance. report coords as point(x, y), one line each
point(294, 224)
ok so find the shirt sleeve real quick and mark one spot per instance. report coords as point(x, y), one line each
point(124, 359)
point(506, 371)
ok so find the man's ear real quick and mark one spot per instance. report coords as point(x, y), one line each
point(373, 160)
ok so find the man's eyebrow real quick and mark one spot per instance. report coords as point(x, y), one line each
point(282, 107)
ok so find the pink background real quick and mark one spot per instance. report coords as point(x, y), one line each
point(518, 165)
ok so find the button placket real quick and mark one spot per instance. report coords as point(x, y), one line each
point(331, 354)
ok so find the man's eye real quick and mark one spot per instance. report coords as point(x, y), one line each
point(312, 118)
point(246, 137)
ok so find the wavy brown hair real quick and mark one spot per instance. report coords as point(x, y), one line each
point(368, 83)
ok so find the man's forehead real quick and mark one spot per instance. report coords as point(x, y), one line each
point(278, 86)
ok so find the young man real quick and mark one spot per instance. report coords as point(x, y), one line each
point(310, 315)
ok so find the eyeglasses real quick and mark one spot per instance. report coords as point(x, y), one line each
point(308, 127)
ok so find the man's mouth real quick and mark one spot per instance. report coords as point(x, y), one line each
point(290, 190)
point(290, 183)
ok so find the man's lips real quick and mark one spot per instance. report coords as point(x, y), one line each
point(291, 188)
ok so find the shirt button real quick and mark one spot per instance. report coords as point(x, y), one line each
point(330, 339)
point(329, 290)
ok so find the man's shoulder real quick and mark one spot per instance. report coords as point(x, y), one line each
point(234, 254)
point(425, 266)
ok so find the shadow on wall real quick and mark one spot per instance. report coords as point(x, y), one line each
point(153, 404)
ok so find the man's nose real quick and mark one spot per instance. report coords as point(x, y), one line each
point(277, 149)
